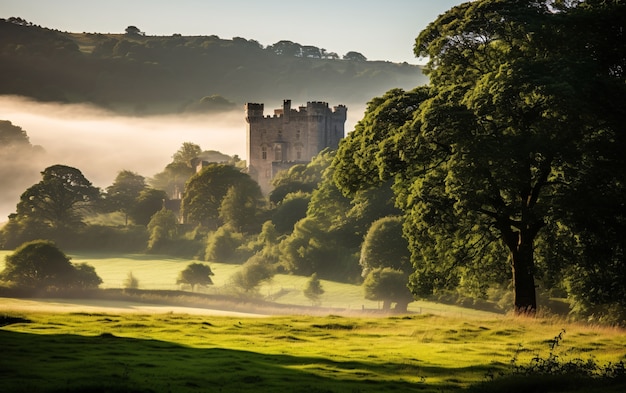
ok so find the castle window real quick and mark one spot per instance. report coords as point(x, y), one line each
point(298, 135)
point(298, 153)
point(264, 153)
point(278, 152)
point(280, 134)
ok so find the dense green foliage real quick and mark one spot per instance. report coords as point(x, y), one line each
point(41, 265)
point(385, 246)
point(152, 74)
point(162, 229)
point(222, 244)
point(495, 160)
point(195, 274)
point(388, 285)
point(60, 199)
point(122, 195)
point(205, 192)
point(255, 271)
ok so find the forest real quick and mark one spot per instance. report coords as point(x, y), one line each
point(140, 74)
point(500, 181)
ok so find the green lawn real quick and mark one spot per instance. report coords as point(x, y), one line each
point(160, 272)
point(442, 349)
point(187, 353)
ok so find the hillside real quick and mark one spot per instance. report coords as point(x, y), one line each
point(168, 74)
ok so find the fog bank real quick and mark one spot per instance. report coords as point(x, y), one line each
point(101, 143)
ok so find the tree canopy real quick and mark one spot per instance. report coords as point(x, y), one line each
point(206, 190)
point(60, 199)
point(40, 264)
point(123, 193)
point(493, 158)
point(390, 286)
point(195, 274)
point(384, 246)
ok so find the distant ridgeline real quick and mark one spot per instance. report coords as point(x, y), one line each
point(138, 73)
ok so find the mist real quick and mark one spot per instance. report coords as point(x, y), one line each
point(101, 143)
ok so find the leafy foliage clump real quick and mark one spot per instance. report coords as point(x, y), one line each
point(554, 371)
point(41, 265)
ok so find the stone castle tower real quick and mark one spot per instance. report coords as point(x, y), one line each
point(290, 136)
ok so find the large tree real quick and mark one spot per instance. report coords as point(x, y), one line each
point(60, 199)
point(525, 105)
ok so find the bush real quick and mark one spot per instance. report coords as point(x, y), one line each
point(222, 245)
point(40, 264)
point(254, 272)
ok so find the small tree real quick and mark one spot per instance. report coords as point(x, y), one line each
point(313, 290)
point(384, 246)
point(222, 244)
point(162, 228)
point(239, 209)
point(40, 264)
point(131, 282)
point(354, 56)
point(122, 195)
point(195, 274)
point(187, 152)
point(254, 272)
point(133, 31)
point(388, 285)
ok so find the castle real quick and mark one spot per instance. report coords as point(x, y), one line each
point(290, 136)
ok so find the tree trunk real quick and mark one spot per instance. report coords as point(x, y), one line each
point(523, 266)
point(401, 307)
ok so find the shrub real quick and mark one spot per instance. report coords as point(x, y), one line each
point(40, 264)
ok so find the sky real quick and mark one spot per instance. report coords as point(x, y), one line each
point(380, 30)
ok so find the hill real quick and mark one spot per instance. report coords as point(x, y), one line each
point(134, 73)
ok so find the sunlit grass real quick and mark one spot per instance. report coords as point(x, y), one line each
point(443, 348)
point(160, 272)
point(175, 352)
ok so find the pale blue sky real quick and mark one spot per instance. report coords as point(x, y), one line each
point(380, 30)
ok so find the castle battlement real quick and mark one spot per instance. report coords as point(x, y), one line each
point(276, 142)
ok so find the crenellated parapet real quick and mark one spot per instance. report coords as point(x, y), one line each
point(290, 136)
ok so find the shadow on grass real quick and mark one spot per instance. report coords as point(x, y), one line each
point(55, 363)
point(107, 363)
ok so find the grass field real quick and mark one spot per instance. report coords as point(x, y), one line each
point(158, 272)
point(101, 352)
point(440, 349)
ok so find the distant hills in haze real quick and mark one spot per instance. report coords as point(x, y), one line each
point(140, 74)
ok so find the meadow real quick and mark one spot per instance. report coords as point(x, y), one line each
point(160, 272)
point(101, 352)
point(435, 348)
